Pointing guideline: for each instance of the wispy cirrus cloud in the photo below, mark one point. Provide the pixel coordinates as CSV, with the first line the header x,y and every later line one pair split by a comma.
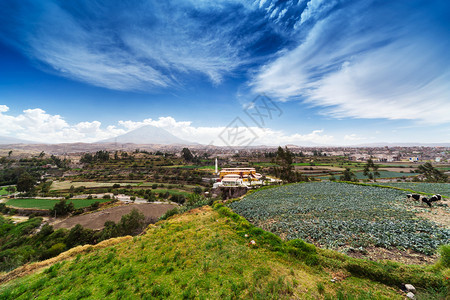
x,y
142,45
367,60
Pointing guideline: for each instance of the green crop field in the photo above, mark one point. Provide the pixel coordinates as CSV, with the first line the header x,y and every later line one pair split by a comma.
x,y
383,174
64,185
339,214
386,174
422,187
49,203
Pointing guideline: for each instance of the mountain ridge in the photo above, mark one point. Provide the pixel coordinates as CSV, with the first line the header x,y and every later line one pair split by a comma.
x,y
147,134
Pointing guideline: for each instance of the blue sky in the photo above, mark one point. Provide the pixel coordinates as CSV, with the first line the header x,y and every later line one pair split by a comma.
x,y
338,72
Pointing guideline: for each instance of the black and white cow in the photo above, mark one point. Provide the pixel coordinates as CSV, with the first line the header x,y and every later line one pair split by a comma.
x,y
438,197
415,197
435,198
427,201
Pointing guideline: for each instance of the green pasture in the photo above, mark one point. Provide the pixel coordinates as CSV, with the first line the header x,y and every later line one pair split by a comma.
x,y
49,203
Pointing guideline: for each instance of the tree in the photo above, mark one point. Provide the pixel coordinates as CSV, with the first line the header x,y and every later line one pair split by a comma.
x,y
197,190
86,158
178,198
286,172
348,175
371,166
111,230
131,223
432,174
62,208
25,183
187,154
79,236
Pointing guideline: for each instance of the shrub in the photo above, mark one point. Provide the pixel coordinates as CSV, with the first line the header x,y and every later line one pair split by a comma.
x,y
320,288
444,250
169,213
62,208
302,245
131,223
94,205
54,250
178,198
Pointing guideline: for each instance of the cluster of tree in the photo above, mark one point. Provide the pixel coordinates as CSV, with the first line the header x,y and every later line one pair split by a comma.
x,y
318,153
286,170
371,170
431,174
26,183
24,242
99,156
189,157
10,176
348,175
60,163
62,208
275,154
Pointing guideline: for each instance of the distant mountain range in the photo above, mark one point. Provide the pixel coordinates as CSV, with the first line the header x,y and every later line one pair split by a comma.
x,y
403,145
147,135
5,140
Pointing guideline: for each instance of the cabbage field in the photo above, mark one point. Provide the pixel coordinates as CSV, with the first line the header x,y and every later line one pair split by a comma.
x,y
334,215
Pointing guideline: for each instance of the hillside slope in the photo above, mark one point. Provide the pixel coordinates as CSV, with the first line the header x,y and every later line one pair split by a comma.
x,y
205,254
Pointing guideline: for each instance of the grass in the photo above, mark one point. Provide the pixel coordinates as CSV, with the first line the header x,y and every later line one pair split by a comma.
x,y
49,203
3,191
202,254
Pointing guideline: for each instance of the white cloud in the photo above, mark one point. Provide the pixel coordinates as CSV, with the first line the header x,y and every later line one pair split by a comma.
x,y
316,8
3,108
352,68
353,137
37,125
143,47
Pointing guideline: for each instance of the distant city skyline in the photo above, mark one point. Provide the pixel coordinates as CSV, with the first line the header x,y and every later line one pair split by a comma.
x,y
332,72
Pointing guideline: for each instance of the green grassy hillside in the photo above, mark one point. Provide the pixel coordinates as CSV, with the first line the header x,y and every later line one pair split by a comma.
x,y
207,254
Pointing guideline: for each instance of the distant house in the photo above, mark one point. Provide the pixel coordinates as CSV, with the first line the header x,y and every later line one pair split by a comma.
x,y
414,159
438,159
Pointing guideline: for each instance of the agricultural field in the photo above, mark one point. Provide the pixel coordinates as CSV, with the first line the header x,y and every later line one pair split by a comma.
x,y
49,203
383,174
336,215
422,187
65,185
